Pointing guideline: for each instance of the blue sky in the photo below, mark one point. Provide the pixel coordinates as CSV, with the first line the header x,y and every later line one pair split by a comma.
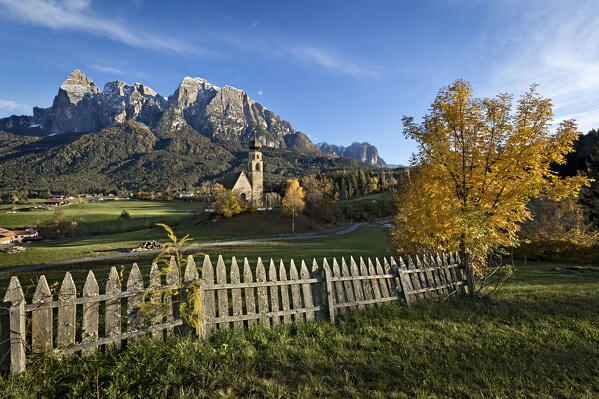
x,y
340,71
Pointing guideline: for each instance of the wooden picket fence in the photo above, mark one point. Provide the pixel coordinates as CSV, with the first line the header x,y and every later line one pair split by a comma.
x,y
282,295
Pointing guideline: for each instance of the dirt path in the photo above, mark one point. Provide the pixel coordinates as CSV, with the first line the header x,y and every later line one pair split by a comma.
x,y
120,255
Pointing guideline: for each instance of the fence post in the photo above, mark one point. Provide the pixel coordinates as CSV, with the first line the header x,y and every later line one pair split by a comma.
x,y
403,280
16,312
467,264
329,292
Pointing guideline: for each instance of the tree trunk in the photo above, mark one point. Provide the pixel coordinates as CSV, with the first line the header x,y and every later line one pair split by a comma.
x,y
293,220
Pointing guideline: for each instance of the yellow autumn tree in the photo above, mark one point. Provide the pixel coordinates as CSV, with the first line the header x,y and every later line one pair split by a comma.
x,y
229,204
479,163
293,201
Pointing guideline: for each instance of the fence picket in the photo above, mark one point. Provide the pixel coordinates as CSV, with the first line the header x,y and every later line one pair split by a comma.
x,y
316,288
442,261
66,314
427,276
454,273
236,294
349,285
155,283
173,279
223,297
366,284
461,273
91,313
339,285
41,320
359,293
437,267
191,271
307,291
209,295
404,280
383,283
284,292
415,278
192,276
17,326
376,288
135,282
112,318
250,298
262,292
393,282
274,292
329,292
296,299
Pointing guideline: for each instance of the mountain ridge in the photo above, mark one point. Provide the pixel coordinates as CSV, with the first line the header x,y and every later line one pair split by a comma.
x,y
364,152
226,115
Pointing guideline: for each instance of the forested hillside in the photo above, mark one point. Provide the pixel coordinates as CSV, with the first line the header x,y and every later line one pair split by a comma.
x,y
131,157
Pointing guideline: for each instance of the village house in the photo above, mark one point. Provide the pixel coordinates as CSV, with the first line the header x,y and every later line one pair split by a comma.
x,y
18,236
57,202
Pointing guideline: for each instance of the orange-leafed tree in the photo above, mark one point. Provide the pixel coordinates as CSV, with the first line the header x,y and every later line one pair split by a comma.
x,y
479,162
293,201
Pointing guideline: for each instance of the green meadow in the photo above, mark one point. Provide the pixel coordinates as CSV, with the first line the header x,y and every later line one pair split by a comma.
x,y
184,217
538,338
101,217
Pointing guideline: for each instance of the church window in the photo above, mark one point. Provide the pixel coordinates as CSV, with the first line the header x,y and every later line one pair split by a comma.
x,y
258,167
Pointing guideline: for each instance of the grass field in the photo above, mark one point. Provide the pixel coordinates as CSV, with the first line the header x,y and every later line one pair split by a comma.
x,y
538,338
103,217
199,227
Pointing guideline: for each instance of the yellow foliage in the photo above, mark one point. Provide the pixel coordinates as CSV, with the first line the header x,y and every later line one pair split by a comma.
x,y
293,201
155,306
479,163
229,204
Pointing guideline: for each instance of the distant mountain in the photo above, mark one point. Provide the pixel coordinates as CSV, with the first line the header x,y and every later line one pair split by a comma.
x,y
129,137
363,152
227,115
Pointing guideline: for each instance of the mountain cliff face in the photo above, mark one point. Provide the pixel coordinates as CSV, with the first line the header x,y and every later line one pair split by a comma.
x,y
227,115
364,152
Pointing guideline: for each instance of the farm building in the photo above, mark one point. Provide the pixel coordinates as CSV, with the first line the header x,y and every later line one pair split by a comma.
x,y
18,236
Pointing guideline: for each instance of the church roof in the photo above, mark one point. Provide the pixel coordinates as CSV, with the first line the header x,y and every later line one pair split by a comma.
x,y
230,180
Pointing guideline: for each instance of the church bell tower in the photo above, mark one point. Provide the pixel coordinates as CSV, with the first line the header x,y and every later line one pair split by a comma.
x,y
256,171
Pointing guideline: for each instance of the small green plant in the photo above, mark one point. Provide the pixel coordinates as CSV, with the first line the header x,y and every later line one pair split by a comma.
x,y
125,214
156,301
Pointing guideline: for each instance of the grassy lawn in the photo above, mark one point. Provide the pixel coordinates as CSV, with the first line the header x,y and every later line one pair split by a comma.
x,y
538,338
102,216
199,227
365,241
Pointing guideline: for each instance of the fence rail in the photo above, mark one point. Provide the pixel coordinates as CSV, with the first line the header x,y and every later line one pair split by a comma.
x,y
72,323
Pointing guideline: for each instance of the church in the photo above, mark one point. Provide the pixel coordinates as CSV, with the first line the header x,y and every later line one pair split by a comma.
x,y
250,186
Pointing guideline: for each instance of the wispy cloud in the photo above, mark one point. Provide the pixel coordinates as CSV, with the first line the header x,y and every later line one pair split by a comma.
x,y
108,69
559,49
78,15
333,62
12,105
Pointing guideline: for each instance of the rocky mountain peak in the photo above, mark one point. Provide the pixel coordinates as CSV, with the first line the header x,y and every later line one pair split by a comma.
x,y
192,91
364,152
77,85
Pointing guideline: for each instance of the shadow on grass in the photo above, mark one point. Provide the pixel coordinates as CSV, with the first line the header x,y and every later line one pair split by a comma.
x,y
453,349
